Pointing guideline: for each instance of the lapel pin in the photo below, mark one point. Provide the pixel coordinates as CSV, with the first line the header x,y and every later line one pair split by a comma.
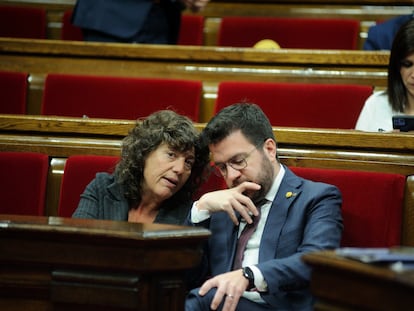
x,y
290,194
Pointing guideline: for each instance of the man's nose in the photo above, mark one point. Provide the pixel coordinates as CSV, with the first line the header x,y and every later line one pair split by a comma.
x,y
232,173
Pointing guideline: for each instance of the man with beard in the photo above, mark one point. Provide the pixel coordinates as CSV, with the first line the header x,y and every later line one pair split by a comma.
x,y
294,216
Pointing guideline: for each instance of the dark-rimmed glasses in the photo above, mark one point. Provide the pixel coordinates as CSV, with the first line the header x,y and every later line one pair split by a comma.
x,y
238,162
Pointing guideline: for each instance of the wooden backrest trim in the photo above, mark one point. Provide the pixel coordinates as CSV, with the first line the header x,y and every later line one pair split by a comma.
x,y
187,54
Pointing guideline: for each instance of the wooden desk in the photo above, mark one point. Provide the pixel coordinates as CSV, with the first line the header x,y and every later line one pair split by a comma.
x,y
342,284
50,263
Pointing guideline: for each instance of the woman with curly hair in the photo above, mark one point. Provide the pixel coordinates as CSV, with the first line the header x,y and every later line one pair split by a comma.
x,y
398,98
160,168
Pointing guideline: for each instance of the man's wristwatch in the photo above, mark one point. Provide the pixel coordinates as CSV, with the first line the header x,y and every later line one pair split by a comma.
x,y
248,274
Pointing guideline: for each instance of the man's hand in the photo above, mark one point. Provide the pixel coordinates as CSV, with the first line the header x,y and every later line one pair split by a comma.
x,y
195,5
230,286
231,201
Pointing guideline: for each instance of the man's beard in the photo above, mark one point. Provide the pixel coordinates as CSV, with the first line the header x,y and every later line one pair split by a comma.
x,y
264,179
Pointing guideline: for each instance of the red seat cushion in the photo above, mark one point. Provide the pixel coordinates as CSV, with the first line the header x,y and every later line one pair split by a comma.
x,y
70,31
212,183
299,104
22,22
79,171
13,92
372,204
24,175
119,97
191,30
302,33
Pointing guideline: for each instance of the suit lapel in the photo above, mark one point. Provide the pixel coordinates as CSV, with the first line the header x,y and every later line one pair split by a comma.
x,y
288,191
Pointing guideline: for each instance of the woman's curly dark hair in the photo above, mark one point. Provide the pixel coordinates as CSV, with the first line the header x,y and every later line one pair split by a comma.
x,y
165,126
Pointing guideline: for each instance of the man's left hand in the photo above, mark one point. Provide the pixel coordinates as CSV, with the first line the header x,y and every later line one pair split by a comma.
x,y
230,287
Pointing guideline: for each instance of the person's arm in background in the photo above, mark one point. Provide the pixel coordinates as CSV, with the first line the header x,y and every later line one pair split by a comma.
x,y
371,42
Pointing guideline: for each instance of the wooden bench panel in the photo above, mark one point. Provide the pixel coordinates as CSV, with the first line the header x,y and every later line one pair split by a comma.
x,y
207,64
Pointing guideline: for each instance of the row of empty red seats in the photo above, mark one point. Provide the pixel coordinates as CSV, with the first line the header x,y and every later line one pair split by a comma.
x,y
102,96
286,104
119,97
299,104
293,33
372,202
23,22
243,31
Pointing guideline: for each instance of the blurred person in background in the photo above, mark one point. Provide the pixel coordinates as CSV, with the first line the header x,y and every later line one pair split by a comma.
x,y
132,21
381,35
398,98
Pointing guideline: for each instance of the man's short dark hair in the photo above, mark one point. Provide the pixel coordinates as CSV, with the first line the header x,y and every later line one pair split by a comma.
x,y
249,118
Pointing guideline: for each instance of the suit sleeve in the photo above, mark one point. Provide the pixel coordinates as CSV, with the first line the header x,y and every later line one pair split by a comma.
x,y
318,227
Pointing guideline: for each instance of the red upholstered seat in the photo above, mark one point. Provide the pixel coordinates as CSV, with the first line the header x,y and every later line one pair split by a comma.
x,y
13,90
191,30
79,171
70,31
372,204
302,33
22,22
119,97
23,189
299,104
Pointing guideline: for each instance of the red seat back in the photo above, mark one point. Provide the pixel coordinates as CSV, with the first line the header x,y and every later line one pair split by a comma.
x,y
70,31
79,171
372,204
302,33
191,30
22,22
299,104
23,189
119,97
13,92
212,183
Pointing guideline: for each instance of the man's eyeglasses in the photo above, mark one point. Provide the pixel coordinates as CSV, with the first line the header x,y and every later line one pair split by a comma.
x,y
238,162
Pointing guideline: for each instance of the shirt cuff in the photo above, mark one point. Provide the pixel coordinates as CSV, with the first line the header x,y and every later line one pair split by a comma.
x,y
197,215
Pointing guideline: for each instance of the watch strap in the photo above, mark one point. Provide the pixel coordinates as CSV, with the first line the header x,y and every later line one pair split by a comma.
x,y
249,275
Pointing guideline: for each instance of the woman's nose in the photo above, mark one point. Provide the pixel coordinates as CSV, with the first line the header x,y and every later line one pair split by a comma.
x,y
179,165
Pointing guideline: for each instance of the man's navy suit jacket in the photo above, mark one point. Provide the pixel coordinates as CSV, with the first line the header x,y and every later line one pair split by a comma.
x,y
309,219
381,36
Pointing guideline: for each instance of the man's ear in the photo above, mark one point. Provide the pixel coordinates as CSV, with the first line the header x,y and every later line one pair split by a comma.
x,y
270,148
